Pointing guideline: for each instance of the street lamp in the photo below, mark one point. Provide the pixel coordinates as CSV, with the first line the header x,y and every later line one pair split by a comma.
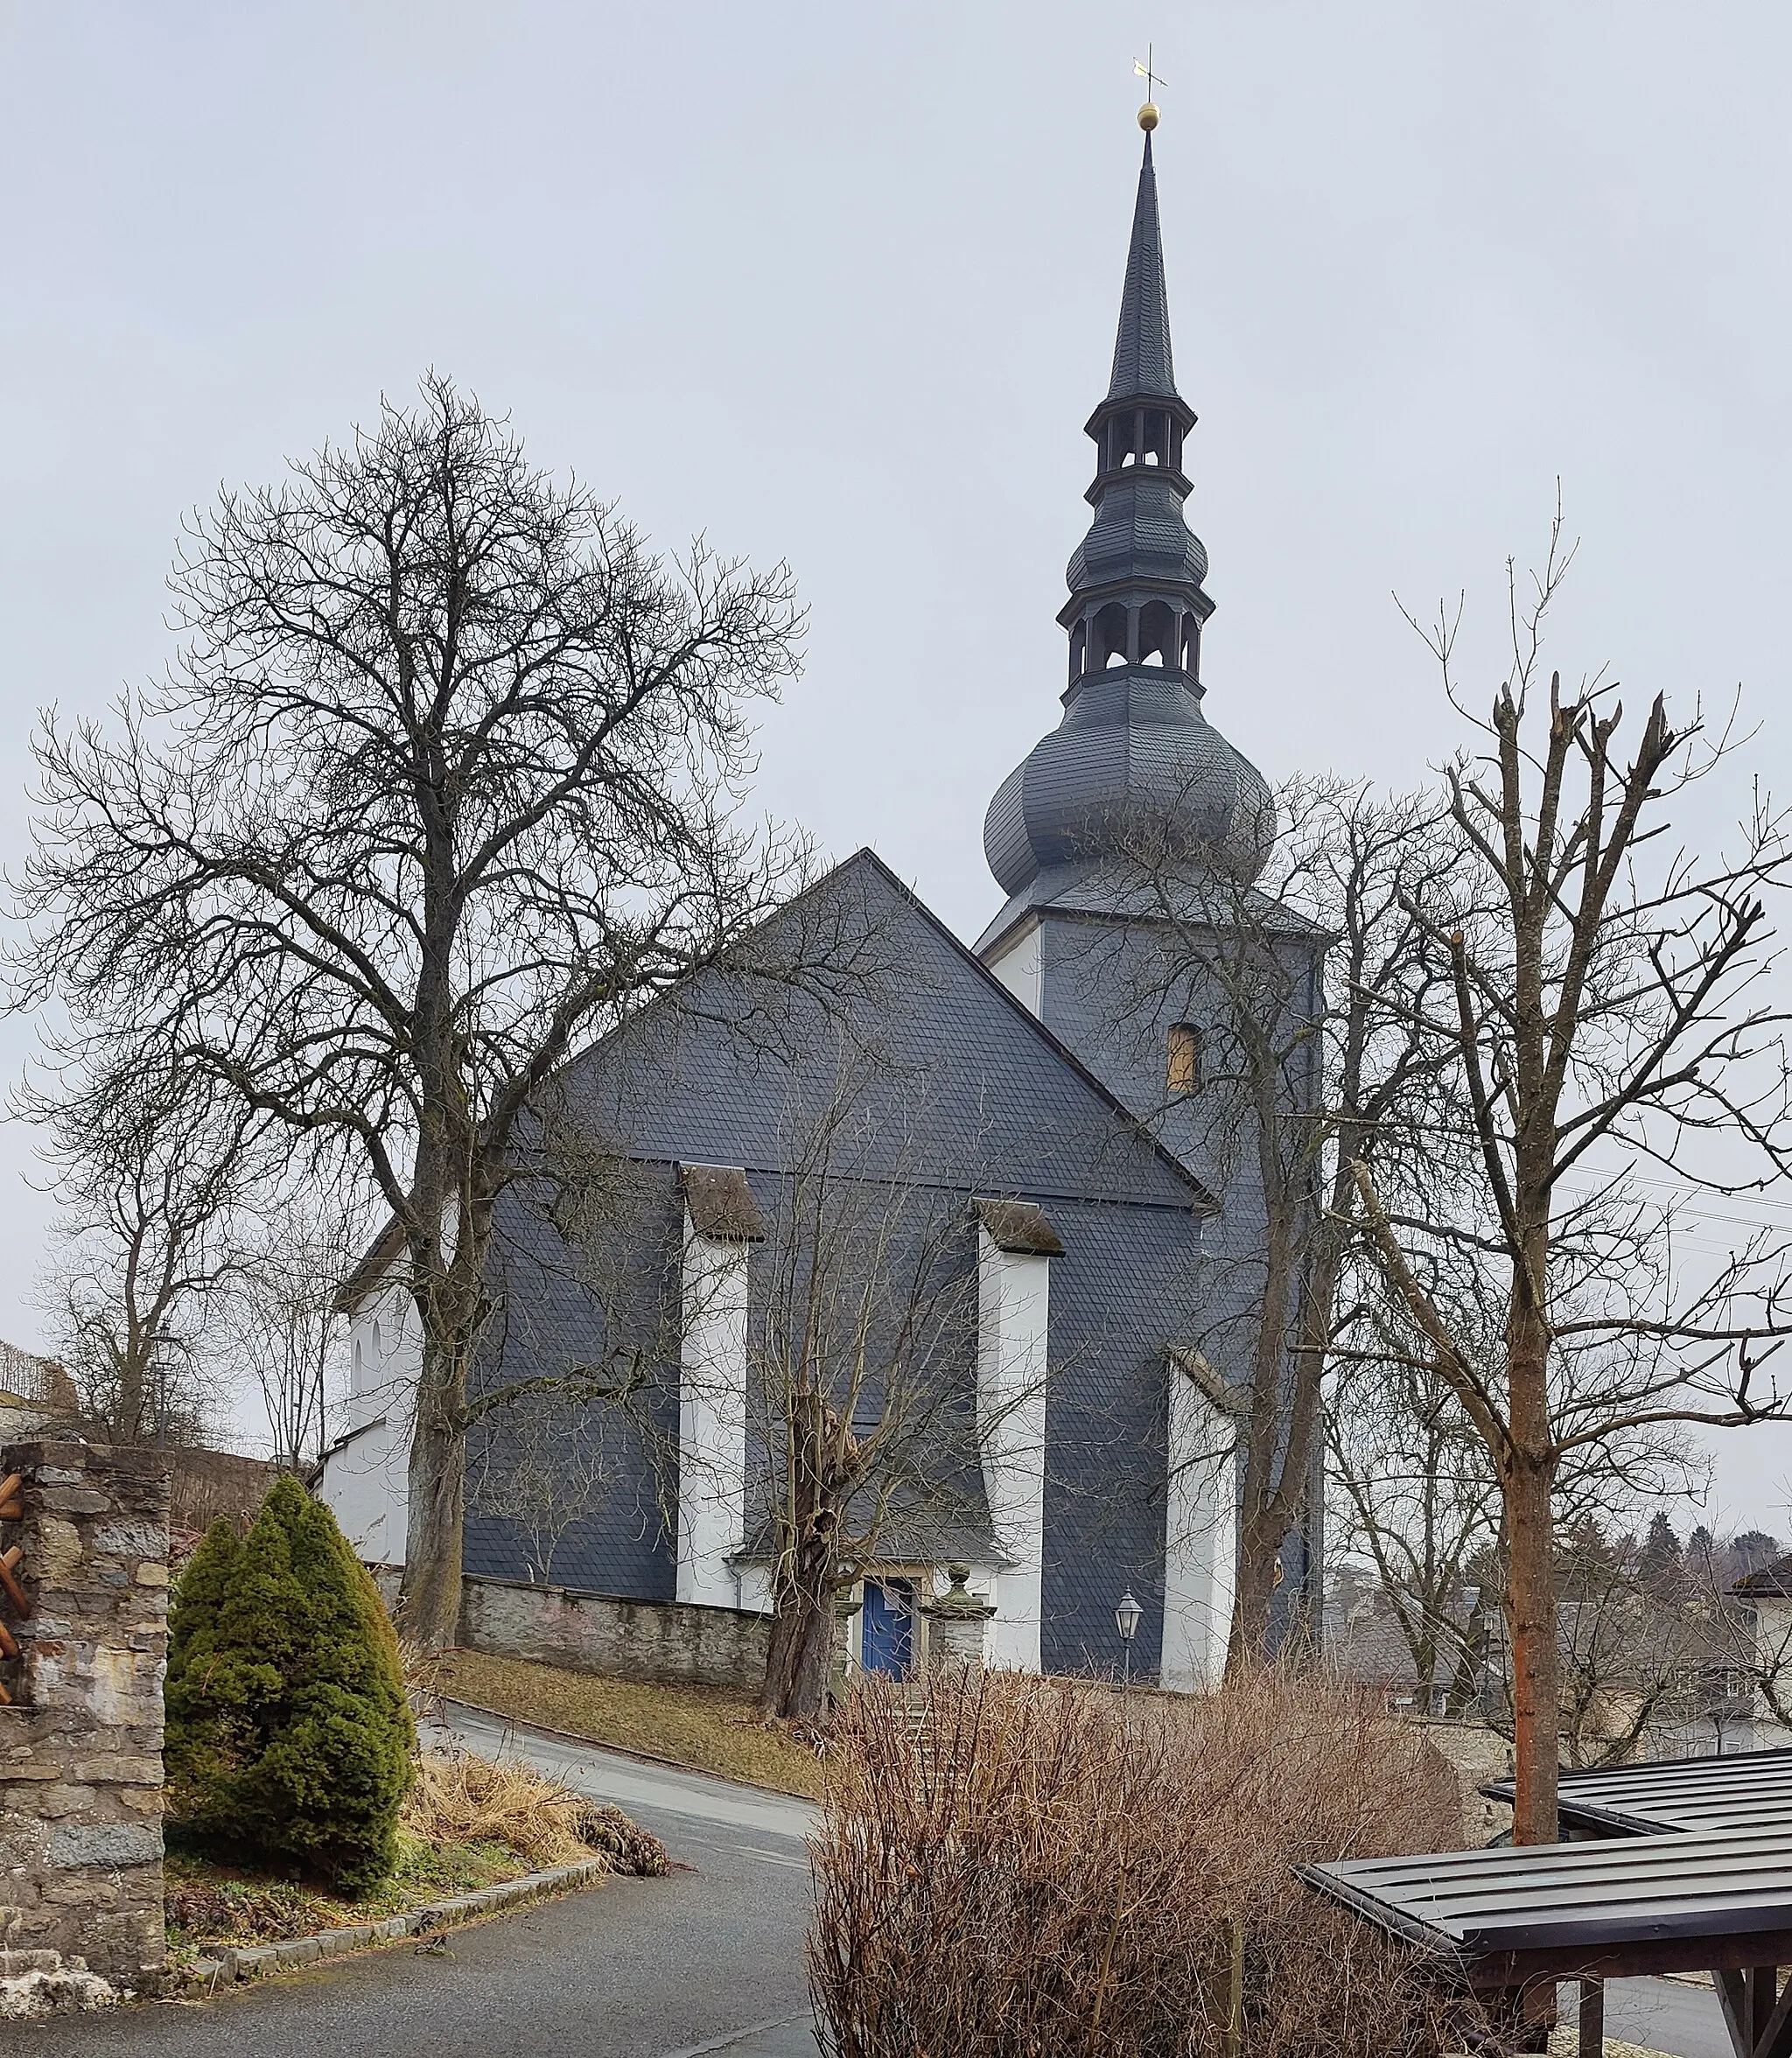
x,y
1126,1620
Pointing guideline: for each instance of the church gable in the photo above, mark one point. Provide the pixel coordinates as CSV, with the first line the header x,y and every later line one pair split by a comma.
x,y
963,1080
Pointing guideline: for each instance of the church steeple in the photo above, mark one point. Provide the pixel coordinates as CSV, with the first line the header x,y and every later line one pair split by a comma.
x,y
1133,738
1136,592
1142,362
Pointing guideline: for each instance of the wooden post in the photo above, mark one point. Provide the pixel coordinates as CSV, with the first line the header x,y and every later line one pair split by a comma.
x,y
1592,2018
1234,1993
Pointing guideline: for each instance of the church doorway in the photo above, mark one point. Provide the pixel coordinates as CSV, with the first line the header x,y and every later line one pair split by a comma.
x,y
886,1628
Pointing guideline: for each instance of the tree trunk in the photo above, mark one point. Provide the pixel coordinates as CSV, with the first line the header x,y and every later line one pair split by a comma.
x,y
429,1611
798,1663
1530,1607
1254,1591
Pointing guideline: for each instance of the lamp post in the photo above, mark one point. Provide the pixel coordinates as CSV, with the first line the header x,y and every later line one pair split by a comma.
x,y
1126,1620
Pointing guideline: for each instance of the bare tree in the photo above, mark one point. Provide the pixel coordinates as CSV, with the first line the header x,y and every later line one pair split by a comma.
x,y
1612,1051
150,1169
278,1320
441,784
544,1463
1300,1073
863,1353
1417,1502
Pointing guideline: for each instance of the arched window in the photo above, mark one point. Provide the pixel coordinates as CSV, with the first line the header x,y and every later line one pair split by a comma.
x,y
1182,1072
1157,436
1109,646
1078,650
1120,441
1157,634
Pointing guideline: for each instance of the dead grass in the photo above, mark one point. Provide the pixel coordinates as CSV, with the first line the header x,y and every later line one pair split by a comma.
x,y
460,1798
1011,1866
706,1728
469,1821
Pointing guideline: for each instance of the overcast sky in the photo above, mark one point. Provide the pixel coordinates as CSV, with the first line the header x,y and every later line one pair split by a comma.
x,y
839,284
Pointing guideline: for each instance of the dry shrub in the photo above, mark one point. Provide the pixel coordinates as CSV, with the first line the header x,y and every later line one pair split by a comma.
x,y
461,1798
1009,1866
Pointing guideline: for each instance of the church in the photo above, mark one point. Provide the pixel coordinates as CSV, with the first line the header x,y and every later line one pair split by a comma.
x,y
1028,1168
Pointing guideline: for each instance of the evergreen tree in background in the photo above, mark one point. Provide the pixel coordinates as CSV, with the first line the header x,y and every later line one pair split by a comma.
x,y
289,1734
1661,1565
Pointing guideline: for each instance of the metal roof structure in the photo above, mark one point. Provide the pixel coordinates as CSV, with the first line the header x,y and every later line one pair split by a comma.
x,y
1682,1866
1752,1791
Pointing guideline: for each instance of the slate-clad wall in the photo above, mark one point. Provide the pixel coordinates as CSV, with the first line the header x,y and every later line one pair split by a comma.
x,y
969,1099
80,1749
1091,969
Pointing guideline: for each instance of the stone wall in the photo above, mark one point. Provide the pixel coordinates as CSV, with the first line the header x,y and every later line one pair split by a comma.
x,y
209,1483
80,1747
669,1643
1478,1755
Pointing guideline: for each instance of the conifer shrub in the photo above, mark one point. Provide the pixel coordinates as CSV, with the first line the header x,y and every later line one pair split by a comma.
x,y
289,1740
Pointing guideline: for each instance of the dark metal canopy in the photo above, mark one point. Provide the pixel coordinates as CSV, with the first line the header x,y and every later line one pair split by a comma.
x,y
1686,1866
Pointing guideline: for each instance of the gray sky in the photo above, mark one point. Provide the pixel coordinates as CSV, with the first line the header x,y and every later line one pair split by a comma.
x,y
839,284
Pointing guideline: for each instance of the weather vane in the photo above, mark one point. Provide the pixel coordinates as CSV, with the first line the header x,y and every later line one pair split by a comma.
x,y
1148,113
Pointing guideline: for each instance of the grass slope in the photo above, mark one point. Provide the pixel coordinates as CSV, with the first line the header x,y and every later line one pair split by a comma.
x,y
706,1728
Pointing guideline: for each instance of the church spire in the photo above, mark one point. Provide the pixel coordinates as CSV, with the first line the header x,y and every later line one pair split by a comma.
x,y
1142,363
1133,739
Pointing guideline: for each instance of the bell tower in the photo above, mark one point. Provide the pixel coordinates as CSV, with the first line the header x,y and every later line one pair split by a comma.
x,y
1134,741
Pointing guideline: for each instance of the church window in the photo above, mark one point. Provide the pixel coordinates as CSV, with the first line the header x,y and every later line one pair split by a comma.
x,y
1191,645
1157,435
1120,439
1079,649
1183,1073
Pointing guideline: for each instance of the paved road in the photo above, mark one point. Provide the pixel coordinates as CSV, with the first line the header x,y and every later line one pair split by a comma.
x,y
708,1959
1664,2015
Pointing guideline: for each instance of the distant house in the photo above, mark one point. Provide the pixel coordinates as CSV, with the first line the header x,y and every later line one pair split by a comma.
x,y
1767,1595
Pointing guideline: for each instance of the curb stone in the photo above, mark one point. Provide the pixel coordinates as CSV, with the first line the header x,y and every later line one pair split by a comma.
x,y
250,1962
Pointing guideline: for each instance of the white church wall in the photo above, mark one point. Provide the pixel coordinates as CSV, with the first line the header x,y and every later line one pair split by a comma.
x,y
1021,967
712,1421
1201,1538
365,1471
1013,1305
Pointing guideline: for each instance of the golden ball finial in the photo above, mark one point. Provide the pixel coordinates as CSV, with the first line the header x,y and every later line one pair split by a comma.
x,y
1148,116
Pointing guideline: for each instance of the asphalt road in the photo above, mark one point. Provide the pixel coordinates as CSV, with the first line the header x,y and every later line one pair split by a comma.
x,y
707,1960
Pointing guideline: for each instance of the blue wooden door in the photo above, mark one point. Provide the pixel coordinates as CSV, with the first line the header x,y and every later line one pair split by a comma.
x,y
886,1636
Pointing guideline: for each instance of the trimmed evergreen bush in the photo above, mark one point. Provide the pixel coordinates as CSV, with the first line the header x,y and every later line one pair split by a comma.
x,y
290,1738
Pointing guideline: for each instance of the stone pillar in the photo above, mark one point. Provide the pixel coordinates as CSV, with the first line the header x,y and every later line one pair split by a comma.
x,y
81,1744
957,1623
840,1666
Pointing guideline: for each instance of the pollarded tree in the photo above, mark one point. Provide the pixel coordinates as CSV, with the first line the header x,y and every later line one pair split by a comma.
x,y
441,783
1614,1048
